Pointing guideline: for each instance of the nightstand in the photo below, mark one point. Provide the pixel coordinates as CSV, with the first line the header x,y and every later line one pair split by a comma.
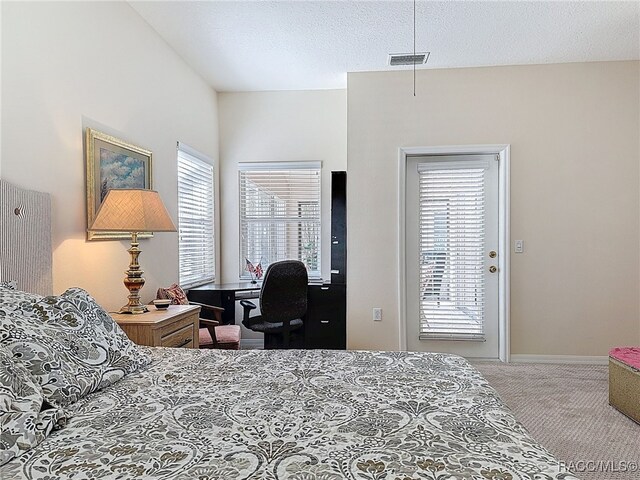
x,y
177,326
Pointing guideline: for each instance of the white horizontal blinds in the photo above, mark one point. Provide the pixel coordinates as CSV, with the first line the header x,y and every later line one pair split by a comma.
x,y
452,244
195,219
280,214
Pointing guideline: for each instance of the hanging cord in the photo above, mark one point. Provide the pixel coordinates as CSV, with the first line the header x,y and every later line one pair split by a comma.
x,y
414,48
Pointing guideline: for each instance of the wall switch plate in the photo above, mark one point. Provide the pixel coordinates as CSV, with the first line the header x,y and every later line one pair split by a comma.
x,y
377,314
519,246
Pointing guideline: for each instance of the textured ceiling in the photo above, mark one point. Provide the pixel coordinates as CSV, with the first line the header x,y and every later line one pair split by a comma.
x,y
298,45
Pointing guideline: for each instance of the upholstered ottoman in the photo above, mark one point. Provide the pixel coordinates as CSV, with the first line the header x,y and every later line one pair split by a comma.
x,y
624,381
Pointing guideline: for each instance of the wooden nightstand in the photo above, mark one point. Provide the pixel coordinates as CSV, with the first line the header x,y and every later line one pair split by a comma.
x,y
177,326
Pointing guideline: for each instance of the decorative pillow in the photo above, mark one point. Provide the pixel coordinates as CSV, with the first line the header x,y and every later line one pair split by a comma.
x,y
70,344
173,293
11,284
11,299
26,418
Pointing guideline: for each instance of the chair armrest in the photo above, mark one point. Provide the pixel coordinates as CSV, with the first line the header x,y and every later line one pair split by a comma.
x,y
216,311
205,322
248,305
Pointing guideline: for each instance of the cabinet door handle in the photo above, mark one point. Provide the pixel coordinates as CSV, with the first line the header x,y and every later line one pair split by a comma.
x,y
324,321
324,288
184,343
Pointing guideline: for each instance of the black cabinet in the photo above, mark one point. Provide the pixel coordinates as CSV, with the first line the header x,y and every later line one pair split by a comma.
x,y
325,324
326,320
338,227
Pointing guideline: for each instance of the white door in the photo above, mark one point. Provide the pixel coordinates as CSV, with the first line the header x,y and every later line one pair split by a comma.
x,y
452,255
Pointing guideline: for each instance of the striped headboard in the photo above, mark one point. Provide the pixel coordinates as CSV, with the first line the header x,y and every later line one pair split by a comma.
x,y
25,238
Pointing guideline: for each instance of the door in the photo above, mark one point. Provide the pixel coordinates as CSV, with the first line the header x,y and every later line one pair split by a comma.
x,y
452,293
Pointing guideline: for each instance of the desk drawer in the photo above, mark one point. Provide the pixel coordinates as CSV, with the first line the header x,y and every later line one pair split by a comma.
x,y
325,322
182,338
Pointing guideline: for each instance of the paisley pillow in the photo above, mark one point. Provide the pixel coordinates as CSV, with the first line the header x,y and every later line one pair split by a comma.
x,y
69,344
77,312
11,284
26,418
11,299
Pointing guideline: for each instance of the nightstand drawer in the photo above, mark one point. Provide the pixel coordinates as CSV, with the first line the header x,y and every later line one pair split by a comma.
x,y
179,338
175,327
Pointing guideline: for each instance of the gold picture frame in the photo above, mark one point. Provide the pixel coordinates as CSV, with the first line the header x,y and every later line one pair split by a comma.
x,y
113,163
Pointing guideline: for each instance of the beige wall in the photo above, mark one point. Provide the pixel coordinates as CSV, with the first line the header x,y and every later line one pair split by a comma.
x,y
281,127
574,135
66,66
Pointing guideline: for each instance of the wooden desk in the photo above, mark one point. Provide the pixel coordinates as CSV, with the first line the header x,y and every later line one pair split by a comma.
x,y
325,324
177,326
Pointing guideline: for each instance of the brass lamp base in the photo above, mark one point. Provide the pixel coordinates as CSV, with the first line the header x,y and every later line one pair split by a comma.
x,y
134,281
134,309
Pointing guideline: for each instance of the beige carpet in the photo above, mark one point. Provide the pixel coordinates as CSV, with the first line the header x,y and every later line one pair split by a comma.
x,y
566,409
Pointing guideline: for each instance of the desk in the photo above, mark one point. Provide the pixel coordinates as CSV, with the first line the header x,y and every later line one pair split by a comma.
x,y
225,295
325,324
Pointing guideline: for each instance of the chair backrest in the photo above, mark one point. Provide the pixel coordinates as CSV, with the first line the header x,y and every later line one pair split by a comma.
x,y
284,291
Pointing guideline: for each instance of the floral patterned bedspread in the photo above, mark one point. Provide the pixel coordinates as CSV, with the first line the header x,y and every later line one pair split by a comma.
x,y
303,415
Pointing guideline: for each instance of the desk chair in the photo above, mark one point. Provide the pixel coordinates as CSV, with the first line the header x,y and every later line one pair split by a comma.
x,y
283,303
212,334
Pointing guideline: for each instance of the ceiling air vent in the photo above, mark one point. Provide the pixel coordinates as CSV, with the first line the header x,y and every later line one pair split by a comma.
x,y
397,59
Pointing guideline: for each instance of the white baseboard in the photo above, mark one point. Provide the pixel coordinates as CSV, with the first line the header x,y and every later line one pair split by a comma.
x,y
251,344
569,359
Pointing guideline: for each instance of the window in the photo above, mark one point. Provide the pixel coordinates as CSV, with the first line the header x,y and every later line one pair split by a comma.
x,y
452,244
280,214
195,217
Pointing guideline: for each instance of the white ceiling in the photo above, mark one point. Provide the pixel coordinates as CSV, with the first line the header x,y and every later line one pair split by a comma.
x,y
299,45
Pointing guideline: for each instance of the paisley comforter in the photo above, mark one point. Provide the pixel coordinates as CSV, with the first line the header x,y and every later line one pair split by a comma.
x,y
303,415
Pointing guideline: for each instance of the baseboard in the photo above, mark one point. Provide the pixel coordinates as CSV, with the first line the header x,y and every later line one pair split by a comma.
x,y
570,359
252,344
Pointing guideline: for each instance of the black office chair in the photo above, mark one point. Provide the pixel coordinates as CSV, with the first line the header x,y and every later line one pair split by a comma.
x,y
283,303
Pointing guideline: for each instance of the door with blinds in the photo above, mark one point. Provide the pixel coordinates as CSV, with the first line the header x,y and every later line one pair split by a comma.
x,y
452,255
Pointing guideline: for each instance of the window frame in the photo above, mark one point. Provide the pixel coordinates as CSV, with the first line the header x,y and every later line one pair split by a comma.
x,y
186,153
244,275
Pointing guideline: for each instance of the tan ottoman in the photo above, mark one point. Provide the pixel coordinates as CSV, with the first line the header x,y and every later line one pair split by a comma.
x,y
624,381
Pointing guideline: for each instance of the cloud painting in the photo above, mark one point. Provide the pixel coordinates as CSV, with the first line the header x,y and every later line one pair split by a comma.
x,y
118,170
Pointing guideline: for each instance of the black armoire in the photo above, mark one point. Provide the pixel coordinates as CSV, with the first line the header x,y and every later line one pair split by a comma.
x,y
326,320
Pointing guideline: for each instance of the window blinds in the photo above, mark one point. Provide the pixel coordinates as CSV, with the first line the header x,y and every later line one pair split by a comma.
x,y
195,218
280,214
452,244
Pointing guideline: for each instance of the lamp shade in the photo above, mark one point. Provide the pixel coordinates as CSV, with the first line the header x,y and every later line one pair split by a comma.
x,y
129,210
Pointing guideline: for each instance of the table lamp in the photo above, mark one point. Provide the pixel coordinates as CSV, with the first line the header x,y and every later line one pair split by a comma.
x,y
133,211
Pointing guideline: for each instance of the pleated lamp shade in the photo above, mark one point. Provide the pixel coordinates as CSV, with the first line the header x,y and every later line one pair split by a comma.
x,y
132,210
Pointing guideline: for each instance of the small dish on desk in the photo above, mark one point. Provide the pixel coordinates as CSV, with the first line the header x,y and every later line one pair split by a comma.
x,y
162,304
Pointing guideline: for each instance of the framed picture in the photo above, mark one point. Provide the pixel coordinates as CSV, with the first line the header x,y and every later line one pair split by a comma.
x,y
113,163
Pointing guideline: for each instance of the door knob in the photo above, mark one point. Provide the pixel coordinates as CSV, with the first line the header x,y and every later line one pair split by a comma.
x,y
492,254
493,269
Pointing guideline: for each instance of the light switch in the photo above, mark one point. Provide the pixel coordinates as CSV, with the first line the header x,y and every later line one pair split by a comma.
x,y
377,314
519,246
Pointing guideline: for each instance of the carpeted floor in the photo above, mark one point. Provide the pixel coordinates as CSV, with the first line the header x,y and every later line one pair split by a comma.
x,y
566,409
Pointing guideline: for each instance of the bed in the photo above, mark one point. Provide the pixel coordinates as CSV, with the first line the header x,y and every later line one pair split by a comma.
x,y
293,414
